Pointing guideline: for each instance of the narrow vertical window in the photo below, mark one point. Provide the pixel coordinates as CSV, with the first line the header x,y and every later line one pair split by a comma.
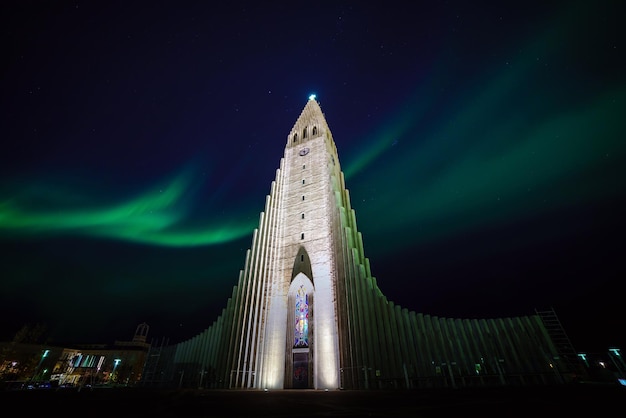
x,y
303,216
302,235
303,166
302,181
314,130
301,257
295,137
304,133
302,197
301,329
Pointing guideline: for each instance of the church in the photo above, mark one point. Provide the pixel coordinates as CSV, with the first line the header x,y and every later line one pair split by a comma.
x,y
307,313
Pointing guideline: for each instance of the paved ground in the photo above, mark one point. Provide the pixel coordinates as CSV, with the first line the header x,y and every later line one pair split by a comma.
x,y
574,401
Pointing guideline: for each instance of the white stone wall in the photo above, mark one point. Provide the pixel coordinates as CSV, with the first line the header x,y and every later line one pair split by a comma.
x,y
318,210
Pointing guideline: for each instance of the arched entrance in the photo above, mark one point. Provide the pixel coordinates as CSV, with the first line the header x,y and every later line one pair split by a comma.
x,y
300,333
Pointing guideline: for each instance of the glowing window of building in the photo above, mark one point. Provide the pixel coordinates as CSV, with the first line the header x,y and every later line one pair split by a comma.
x,y
301,330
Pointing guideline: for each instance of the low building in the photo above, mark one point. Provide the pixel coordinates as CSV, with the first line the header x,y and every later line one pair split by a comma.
x,y
30,366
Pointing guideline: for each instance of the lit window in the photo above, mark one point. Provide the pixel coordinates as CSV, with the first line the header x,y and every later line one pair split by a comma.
x,y
301,329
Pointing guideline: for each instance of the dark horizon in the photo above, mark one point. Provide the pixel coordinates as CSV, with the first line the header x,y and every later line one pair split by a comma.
x,y
540,401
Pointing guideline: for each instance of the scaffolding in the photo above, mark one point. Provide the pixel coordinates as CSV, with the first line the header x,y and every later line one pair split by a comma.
x,y
154,373
564,347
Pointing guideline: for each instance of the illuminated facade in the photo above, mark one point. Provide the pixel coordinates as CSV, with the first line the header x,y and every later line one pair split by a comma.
x,y
307,313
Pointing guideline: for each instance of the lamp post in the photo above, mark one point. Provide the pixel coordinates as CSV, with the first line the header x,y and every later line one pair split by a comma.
x,y
202,373
618,361
116,363
43,356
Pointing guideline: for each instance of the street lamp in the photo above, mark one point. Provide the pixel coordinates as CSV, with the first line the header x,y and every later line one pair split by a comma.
x,y
116,363
43,356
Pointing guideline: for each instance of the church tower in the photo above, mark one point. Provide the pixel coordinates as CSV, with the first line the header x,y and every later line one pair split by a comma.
x,y
295,262
307,313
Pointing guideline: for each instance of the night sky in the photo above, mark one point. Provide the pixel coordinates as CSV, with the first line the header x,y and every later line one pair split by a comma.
x,y
482,145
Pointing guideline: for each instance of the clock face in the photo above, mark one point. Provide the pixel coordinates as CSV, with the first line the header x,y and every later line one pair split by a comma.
x,y
304,151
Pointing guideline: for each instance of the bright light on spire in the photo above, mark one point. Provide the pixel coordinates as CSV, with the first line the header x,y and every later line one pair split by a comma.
x,y
312,97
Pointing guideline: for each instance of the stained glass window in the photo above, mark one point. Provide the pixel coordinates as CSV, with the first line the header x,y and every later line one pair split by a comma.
x,y
301,330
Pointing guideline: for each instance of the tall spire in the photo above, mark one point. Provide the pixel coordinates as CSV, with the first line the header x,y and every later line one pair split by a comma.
x,y
311,115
